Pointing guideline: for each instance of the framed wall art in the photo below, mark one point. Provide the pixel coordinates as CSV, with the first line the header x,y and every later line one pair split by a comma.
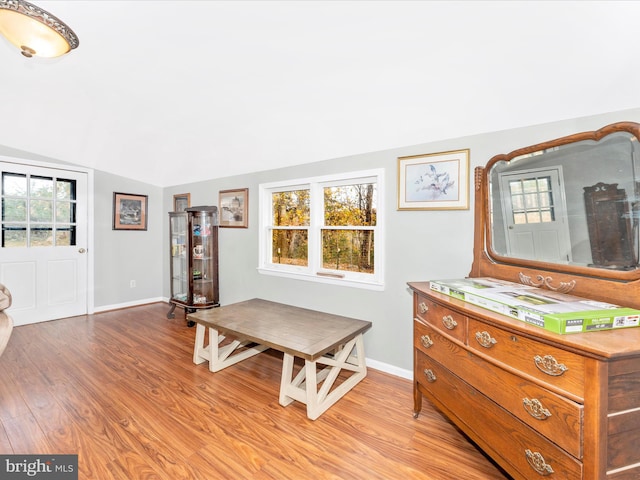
x,y
129,211
181,202
434,181
234,210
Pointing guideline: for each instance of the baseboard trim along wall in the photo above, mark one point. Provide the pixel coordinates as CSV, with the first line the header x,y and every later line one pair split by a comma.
x,y
383,367
135,303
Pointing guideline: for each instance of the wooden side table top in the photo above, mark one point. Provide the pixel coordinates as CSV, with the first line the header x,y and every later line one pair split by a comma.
x,y
300,332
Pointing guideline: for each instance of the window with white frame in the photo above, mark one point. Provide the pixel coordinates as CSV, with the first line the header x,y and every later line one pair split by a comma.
x,y
325,229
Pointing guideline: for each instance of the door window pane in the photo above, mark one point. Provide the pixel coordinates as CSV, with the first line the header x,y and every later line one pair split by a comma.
x,y
41,236
14,185
14,236
547,215
66,236
41,187
41,211
533,217
65,212
14,209
65,189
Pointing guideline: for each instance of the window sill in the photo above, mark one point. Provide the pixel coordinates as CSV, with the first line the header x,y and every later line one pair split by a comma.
x,y
344,282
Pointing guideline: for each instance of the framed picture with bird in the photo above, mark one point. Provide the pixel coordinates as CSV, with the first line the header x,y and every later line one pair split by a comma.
x,y
434,181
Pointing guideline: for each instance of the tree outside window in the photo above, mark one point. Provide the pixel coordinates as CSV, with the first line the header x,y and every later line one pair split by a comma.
x,y
345,248
324,228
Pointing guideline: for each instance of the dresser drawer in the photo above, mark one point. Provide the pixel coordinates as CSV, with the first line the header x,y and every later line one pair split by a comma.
x,y
554,416
559,369
448,321
528,454
434,342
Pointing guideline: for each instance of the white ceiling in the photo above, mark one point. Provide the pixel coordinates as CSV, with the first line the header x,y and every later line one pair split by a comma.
x,y
170,92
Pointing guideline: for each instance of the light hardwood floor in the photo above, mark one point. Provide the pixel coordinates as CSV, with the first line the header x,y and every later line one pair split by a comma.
x,y
120,390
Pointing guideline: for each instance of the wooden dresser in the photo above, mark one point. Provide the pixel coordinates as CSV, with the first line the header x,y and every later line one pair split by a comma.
x,y
541,404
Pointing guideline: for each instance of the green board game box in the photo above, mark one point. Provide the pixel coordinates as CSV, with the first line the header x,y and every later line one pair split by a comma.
x,y
557,312
582,321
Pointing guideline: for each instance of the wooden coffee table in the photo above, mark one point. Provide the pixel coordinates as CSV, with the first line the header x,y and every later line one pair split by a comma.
x,y
244,329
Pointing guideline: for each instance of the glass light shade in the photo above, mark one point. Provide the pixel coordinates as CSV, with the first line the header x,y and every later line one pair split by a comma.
x,y
34,31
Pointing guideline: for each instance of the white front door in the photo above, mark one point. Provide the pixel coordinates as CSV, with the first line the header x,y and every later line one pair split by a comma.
x,y
534,208
43,252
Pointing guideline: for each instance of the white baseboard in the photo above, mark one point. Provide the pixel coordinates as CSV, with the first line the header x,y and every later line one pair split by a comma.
x,y
135,303
390,369
383,367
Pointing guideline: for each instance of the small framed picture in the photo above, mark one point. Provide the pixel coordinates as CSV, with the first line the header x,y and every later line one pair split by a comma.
x,y
181,202
129,211
434,181
233,206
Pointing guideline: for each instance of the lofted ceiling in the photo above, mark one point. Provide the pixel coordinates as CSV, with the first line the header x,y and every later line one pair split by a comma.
x,y
171,92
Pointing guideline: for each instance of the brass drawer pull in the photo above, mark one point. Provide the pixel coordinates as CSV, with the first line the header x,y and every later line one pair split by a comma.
x,y
549,365
535,409
426,341
423,307
431,377
484,339
449,322
537,462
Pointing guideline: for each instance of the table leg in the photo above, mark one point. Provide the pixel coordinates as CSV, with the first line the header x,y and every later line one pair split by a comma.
x,y
316,389
220,357
287,373
199,346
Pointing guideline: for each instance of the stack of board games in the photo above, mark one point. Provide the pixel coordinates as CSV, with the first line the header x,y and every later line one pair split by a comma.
x,y
557,312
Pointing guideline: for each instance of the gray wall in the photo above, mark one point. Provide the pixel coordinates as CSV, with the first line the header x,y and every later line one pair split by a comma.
x,y
420,245
124,255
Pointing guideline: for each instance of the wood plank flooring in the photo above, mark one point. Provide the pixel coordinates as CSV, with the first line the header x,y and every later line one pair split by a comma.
x,y
120,390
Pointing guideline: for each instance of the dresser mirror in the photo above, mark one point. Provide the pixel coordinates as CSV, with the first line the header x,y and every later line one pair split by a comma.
x,y
570,206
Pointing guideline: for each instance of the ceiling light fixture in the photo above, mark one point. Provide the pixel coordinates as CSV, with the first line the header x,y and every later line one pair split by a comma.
x,y
35,31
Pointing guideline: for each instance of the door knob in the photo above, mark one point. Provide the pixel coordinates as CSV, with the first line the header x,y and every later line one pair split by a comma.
x,y
81,250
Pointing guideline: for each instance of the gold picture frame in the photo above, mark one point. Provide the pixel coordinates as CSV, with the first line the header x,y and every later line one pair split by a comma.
x,y
233,206
434,181
181,201
129,211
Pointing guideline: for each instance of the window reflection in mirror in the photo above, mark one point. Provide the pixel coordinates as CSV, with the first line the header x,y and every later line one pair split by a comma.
x,y
571,204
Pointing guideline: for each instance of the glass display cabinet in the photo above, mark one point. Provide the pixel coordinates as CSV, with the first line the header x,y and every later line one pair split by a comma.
x,y
193,240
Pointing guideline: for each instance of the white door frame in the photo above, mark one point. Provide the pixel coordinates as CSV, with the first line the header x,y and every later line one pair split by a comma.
x,y
90,209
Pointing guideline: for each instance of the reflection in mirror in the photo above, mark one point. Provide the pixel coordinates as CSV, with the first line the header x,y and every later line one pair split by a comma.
x,y
572,204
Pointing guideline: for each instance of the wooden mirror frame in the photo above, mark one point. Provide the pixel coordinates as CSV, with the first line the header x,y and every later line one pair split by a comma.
x,y
614,286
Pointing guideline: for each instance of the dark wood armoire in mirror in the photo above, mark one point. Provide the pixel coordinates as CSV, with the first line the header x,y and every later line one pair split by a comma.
x,y
610,226
559,216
